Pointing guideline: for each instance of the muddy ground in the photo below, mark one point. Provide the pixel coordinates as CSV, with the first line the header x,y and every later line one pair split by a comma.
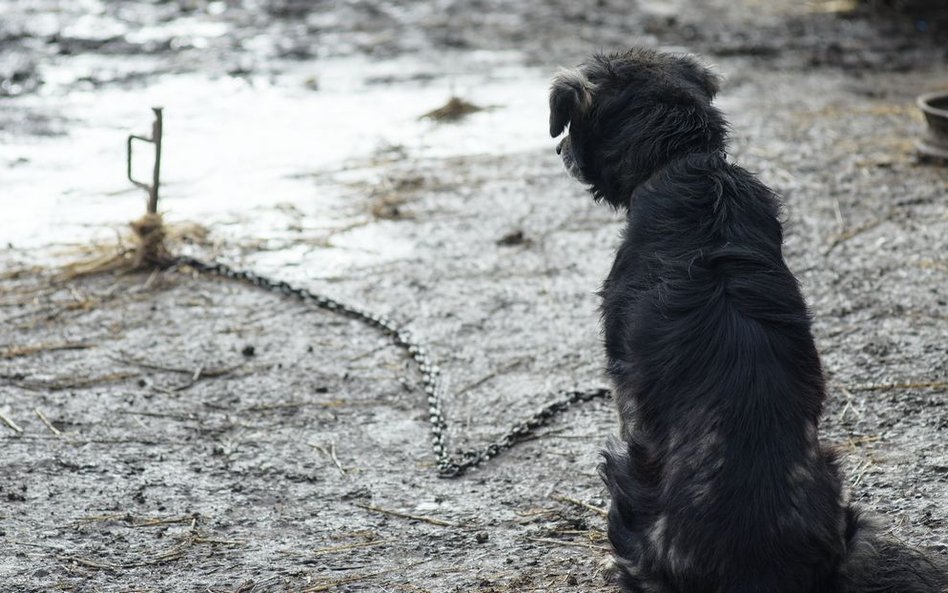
x,y
172,432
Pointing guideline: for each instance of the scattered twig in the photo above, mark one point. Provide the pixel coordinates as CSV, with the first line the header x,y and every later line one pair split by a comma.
x,y
218,542
19,351
579,503
414,588
326,586
46,421
934,264
899,385
555,434
336,403
477,383
90,563
10,423
57,549
122,441
570,544
245,587
368,353
536,513
835,6
854,443
151,279
347,547
190,416
402,515
60,384
173,553
139,422
850,398
133,522
590,534
860,472
840,224
855,231
332,455
79,441
195,374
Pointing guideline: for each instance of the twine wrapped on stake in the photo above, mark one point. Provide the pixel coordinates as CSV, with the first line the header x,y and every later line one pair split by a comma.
x,y
150,249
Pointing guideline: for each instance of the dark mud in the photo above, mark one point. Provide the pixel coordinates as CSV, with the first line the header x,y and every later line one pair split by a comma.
x,y
240,38
183,433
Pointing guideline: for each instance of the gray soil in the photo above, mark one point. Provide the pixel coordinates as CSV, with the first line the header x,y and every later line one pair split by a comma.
x,y
204,435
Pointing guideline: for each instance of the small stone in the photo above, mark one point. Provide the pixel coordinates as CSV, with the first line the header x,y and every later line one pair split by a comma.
x,y
481,537
514,238
248,350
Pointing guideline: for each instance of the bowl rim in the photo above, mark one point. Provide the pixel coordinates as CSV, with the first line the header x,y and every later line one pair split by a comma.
x,y
923,103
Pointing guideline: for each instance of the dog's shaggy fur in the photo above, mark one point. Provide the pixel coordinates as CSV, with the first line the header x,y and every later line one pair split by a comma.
x,y
718,481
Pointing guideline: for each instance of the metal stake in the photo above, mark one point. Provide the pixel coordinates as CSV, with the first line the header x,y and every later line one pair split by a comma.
x,y
156,173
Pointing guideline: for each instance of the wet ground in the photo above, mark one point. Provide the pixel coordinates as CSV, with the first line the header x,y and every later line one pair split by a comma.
x,y
166,431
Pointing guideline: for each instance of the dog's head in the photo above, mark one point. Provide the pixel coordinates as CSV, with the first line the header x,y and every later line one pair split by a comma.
x,y
631,114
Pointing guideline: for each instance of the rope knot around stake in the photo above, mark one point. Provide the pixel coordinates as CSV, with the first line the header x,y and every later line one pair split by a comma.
x,y
150,233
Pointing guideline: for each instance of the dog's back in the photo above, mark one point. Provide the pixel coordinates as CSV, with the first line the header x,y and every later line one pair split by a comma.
x,y
718,481
709,344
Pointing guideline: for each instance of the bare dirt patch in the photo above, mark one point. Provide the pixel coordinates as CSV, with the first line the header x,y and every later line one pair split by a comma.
x,y
169,431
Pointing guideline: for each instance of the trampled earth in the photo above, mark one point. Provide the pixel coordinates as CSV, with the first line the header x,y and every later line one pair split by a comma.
x,y
169,431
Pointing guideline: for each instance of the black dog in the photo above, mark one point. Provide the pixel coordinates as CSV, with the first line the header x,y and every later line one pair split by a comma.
x,y
719,483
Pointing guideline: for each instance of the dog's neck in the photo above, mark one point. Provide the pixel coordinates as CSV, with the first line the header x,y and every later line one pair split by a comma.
x,y
656,176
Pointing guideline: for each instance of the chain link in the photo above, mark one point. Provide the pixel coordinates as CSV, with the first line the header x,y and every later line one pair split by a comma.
x,y
448,466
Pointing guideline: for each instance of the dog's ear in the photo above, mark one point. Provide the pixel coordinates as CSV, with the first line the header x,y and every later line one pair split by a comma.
x,y
570,96
700,75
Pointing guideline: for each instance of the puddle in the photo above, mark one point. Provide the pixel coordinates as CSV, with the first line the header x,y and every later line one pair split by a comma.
x,y
235,147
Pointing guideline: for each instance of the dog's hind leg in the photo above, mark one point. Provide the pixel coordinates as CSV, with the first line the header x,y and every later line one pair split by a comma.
x,y
631,474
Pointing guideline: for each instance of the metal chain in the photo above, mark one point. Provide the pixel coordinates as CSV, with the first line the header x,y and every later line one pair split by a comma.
x,y
448,466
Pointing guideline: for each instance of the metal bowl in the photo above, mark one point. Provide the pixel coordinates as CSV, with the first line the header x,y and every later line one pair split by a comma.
x,y
935,108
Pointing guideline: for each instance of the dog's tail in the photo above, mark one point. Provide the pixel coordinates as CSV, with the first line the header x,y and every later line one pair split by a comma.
x,y
874,564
